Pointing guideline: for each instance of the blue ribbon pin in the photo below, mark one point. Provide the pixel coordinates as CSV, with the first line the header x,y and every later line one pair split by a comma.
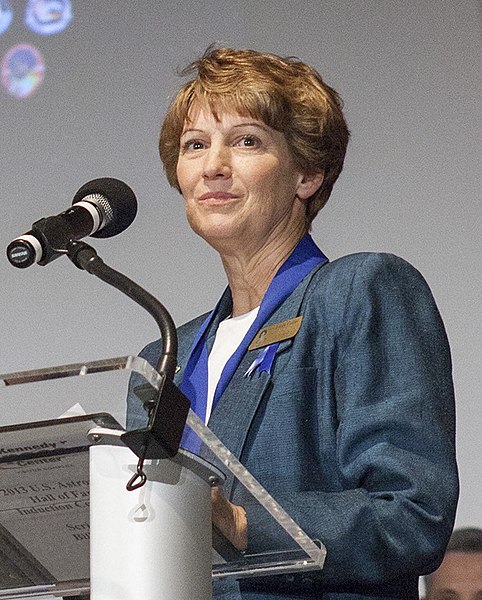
x,y
264,360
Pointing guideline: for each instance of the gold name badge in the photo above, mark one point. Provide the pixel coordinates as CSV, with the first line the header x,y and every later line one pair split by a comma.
x,y
276,333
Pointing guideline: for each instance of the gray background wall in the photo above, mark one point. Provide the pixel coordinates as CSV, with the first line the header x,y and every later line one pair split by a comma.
x,y
410,74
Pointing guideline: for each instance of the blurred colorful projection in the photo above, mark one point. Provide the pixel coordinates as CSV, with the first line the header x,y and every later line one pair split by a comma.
x,y
22,70
6,15
48,17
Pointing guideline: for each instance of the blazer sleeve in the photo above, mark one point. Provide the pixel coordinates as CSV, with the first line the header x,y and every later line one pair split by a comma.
x,y
398,486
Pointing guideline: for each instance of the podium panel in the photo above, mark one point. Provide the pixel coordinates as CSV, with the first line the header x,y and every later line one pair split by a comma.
x,y
48,506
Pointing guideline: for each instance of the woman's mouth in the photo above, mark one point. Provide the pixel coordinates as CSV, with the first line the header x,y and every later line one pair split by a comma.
x,y
216,197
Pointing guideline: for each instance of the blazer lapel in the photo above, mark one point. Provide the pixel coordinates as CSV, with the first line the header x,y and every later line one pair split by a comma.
x,y
233,415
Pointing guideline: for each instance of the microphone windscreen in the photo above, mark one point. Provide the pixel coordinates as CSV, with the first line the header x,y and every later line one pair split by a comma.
x,y
121,201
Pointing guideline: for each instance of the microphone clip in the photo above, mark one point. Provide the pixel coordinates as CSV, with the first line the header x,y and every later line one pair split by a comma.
x,y
54,235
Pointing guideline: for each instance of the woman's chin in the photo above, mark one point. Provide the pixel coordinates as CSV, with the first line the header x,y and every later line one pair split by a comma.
x,y
217,230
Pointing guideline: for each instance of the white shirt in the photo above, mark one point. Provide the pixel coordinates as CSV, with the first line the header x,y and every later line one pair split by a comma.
x,y
229,335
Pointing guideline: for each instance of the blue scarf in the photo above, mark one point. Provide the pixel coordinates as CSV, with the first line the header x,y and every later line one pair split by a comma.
x,y
194,385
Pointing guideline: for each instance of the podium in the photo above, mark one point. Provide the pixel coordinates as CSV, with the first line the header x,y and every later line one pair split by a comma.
x,y
68,525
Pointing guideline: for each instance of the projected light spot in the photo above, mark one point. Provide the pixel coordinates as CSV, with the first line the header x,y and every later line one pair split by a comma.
x,y
23,70
6,15
48,17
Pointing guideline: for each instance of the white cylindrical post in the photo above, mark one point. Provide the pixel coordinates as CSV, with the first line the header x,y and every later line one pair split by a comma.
x,y
153,543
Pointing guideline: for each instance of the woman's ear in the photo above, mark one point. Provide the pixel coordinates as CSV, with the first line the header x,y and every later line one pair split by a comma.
x,y
309,185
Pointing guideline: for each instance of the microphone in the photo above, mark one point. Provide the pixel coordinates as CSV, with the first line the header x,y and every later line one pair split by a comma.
x,y
101,208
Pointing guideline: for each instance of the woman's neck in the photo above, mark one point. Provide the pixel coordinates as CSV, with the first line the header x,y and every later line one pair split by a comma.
x,y
250,274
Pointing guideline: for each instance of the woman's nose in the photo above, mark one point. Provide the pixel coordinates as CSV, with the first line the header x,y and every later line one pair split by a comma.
x,y
217,163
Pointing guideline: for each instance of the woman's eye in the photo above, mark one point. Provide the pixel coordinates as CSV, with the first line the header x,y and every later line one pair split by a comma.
x,y
249,141
190,145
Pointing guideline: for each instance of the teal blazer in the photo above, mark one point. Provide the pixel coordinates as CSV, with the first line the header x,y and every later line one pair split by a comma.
x,y
352,431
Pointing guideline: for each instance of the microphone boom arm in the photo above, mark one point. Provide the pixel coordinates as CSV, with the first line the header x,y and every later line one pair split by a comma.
x,y
86,258
169,409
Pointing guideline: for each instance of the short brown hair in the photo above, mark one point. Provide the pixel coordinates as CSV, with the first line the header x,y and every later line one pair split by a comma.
x,y
285,93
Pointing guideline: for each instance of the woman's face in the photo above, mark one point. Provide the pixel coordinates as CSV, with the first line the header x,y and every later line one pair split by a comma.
x,y
239,182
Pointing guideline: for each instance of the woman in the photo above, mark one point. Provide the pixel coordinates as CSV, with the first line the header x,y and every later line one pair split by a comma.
x,y
347,417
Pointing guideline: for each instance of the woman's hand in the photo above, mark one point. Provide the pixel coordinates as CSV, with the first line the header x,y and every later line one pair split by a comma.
x,y
230,519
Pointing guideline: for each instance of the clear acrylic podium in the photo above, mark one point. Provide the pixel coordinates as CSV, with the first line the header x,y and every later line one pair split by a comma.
x,y
68,526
